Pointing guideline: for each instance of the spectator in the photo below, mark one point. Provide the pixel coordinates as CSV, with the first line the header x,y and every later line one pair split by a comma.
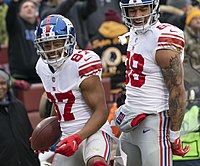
x,y
192,38
163,2
196,2
173,18
20,84
190,129
95,19
78,16
7,1
22,52
77,11
55,7
71,79
106,44
3,31
15,129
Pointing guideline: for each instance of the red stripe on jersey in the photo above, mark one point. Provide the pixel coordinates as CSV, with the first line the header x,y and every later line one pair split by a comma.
x,y
160,139
170,34
170,45
89,69
106,150
93,73
89,63
48,24
168,144
171,41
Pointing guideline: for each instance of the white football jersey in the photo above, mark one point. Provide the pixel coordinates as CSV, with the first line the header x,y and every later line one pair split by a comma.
x,y
146,90
62,88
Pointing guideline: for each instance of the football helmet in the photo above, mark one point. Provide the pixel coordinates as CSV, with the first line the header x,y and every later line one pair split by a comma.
x,y
55,39
153,14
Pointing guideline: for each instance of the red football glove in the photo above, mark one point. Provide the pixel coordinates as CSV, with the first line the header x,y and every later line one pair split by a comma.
x,y
177,148
21,84
176,144
69,145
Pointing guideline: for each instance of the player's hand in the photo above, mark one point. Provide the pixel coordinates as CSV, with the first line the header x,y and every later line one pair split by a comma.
x,y
176,144
69,145
41,151
21,84
177,148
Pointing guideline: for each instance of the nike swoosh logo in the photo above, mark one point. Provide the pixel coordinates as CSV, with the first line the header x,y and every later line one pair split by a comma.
x,y
86,59
74,144
145,130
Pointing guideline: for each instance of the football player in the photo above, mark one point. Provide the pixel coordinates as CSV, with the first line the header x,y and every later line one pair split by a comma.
x,y
154,108
71,79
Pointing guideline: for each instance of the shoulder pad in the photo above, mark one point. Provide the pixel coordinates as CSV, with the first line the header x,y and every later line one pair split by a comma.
x,y
89,63
171,37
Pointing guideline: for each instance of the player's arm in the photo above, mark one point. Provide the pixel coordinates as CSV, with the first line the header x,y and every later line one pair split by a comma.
x,y
46,108
173,74
93,93
172,70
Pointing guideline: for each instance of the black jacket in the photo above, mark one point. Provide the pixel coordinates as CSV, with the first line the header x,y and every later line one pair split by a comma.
x,y
21,52
15,131
173,19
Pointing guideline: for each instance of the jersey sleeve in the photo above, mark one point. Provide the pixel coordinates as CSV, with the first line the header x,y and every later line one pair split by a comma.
x,y
89,65
38,66
172,38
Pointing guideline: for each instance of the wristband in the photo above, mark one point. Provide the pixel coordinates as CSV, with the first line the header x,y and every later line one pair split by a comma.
x,y
173,135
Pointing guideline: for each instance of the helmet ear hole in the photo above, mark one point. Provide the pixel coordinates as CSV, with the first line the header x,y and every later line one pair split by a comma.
x,y
69,45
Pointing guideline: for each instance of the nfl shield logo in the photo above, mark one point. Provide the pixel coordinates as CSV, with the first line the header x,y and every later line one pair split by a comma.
x,y
53,79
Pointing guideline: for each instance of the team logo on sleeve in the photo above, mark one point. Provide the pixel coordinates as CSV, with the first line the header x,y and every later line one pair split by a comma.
x,y
120,118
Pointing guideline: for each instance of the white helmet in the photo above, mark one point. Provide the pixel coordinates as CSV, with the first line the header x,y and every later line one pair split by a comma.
x,y
153,15
52,29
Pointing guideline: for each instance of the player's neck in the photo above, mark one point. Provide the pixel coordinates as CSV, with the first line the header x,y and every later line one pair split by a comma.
x,y
52,69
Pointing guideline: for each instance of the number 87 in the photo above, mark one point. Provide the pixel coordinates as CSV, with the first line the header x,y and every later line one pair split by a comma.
x,y
61,97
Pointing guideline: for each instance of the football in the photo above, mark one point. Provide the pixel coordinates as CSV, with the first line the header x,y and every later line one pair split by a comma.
x,y
46,133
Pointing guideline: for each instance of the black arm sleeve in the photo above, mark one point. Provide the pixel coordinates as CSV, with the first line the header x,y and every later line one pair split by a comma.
x,y
11,17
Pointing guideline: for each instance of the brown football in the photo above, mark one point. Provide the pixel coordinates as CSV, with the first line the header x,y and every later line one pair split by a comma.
x,y
46,133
